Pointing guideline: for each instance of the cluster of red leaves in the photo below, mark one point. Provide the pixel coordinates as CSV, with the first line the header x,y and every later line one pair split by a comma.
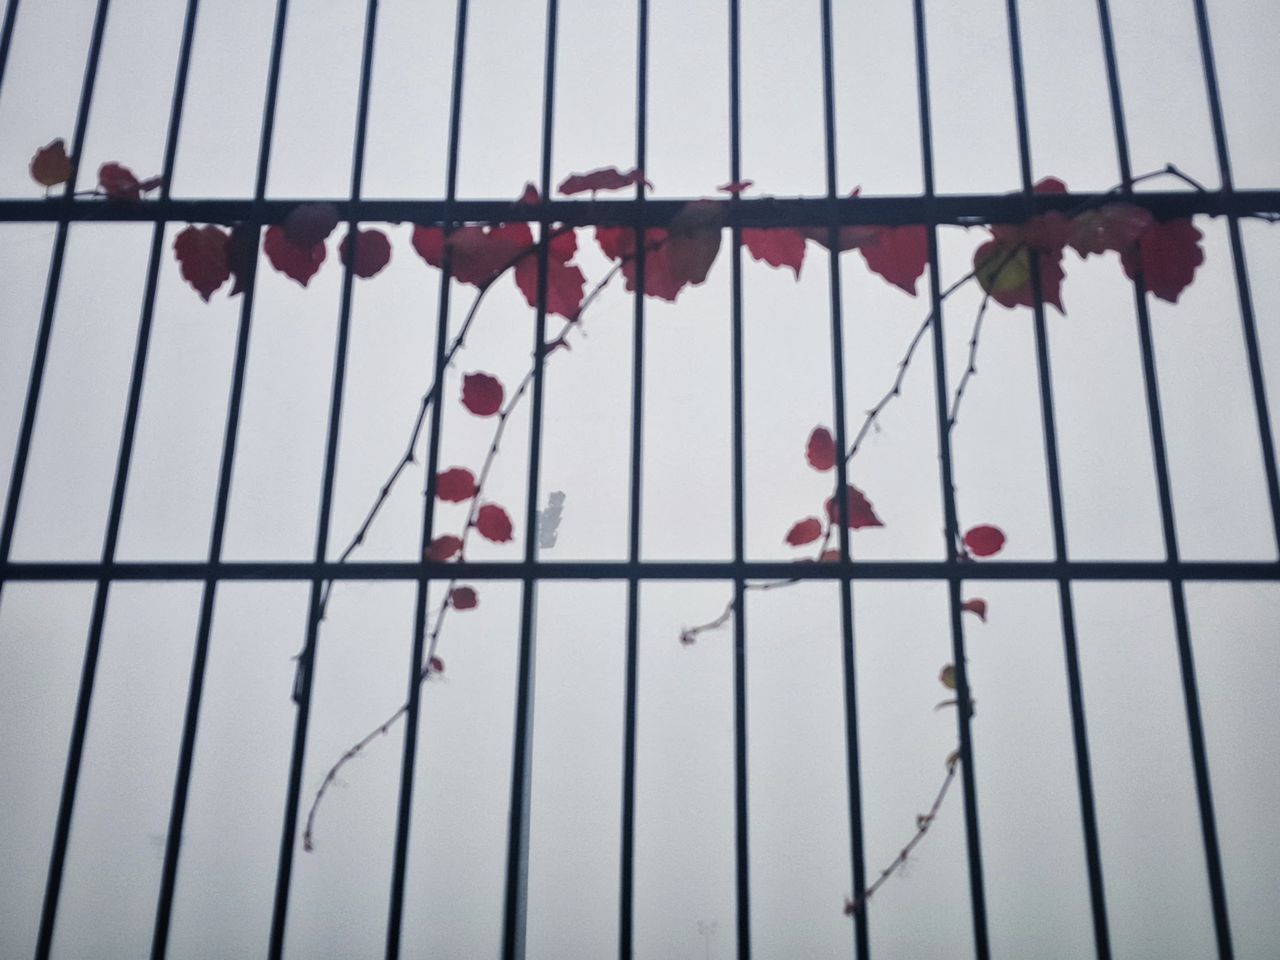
x,y
208,256
820,452
1164,254
51,166
478,255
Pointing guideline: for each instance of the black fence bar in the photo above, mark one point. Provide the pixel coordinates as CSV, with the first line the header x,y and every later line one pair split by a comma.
x,y
75,750
1066,603
1248,322
1239,571
848,651
951,532
408,763
942,209
627,867
1191,699
6,34
517,886
741,816
178,806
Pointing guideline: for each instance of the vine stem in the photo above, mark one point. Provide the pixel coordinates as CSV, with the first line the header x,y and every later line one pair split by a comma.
x,y
504,416
923,822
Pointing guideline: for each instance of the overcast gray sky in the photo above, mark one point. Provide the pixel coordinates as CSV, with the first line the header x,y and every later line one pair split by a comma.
x,y
1035,871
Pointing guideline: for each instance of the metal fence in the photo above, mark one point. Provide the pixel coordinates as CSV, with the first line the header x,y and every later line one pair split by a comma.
x,y
828,211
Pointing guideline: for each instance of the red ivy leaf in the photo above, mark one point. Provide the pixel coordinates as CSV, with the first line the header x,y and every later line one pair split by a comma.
x,y
899,254
436,665
493,523
202,258
118,182
735,188
295,263
565,281
310,223
1049,185
1167,254
51,165
619,243
481,394
779,247
806,531
984,541
693,241
478,255
373,252
821,449
605,178
443,548
1113,226
830,556
456,485
976,606
1003,267
463,598
860,512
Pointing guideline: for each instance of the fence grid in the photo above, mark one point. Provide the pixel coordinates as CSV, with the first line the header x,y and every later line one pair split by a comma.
x,y
829,211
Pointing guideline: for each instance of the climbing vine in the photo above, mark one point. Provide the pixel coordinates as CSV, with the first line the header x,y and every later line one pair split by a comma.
x,y
1013,266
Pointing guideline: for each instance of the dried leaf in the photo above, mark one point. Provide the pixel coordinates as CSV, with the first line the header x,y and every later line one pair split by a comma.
x,y
51,165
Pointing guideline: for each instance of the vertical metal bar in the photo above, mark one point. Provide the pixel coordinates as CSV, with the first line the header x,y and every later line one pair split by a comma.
x,y
1079,731
6,35
626,890
404,809
977,891
124,458
306,661
1190,694
517,883
1248,322
75,750
853,765
740,781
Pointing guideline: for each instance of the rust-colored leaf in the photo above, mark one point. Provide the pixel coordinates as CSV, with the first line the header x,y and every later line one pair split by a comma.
x,y
51,165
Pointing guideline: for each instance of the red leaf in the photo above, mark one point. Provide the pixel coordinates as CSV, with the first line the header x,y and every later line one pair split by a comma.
x,y
1114,226
976,606
530,195
310,223
481,394
477,255
1167,254
202,258
735,188
693,240
860,512
242,253
899,254
51,165
436,665
619,243
605,178
456,485
779,247
1049,185
846,237
442,548
1003,266
821,449
565,281
830,556
493,523
118,182
984,541
373,252
294,262
806,531
463,598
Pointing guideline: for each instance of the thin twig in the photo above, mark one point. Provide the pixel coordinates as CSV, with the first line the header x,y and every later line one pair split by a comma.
x,y
425,671
923,822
